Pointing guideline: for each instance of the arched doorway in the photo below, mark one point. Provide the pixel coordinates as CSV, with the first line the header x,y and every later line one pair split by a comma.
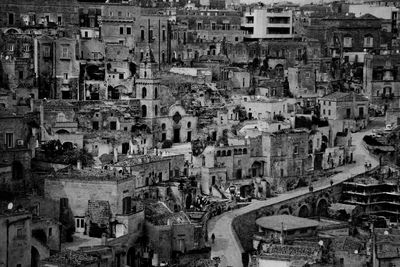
x,y
322,207
177,135
304,211
256,169
35,257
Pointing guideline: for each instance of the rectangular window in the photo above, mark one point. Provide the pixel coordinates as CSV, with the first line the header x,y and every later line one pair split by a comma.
x,y
46,51
329,112
21,74
296,150
163,137
59,20
95,125
26,47
151,36
11,19
64,52
121,76
129,30
119,14
10,47
142,34
113,125
50,231
9,140
20,232
121,30
164,37
65,76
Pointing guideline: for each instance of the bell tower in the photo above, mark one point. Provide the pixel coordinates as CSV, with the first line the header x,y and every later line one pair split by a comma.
x,y
148,86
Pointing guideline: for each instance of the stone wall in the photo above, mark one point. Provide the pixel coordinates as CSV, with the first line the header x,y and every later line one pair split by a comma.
x,y
245,227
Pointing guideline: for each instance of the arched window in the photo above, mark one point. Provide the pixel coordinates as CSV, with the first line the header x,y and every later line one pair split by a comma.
x,y
235,152
144,92
218,153
229,153
155,93
244,150
156,110
189,124
163,126
145,74
223,153
144,111
240,151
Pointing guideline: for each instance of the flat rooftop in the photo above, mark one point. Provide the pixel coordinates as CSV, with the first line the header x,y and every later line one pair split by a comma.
x,y
289,222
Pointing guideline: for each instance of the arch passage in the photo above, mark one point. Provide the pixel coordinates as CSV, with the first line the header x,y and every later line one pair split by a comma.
x,y
322,207
304,211
35,257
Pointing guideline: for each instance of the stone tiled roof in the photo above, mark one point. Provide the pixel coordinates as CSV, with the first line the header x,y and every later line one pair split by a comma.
x,y
287,221
291,252
342,96
388,246
99,211
346,243
159,214
137,160
72,258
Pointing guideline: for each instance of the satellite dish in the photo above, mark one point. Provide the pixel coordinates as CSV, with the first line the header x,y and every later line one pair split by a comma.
x,y
10,206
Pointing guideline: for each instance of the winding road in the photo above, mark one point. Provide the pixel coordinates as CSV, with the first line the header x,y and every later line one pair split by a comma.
x,y
227,245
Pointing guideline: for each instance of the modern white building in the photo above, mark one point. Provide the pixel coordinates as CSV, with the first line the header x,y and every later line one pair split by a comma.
x,y
268,23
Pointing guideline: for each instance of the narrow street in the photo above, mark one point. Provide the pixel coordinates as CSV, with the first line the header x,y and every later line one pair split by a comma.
x,y
227,246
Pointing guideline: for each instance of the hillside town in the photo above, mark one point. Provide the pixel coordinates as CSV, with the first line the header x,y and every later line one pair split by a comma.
x,y
199,133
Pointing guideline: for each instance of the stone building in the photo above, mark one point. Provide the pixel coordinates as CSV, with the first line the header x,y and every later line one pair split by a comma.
x,y
350,107
18,139
95,201
286,155
23,14
170,234
381,80
209,26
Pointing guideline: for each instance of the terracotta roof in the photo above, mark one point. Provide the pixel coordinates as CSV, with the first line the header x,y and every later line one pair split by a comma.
x,y
289,222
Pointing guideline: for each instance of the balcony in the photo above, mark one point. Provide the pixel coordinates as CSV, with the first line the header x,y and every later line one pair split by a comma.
x,y
387,96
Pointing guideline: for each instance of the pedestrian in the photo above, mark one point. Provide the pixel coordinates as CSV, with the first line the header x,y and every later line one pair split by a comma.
x,y
212,238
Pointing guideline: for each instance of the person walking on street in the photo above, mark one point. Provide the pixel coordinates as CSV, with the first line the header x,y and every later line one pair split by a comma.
x,y
213,238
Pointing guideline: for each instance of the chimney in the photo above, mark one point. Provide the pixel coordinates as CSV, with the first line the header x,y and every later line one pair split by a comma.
x,y
79,165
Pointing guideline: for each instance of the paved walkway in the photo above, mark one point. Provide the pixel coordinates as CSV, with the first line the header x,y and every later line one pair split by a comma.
x,y
227,245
